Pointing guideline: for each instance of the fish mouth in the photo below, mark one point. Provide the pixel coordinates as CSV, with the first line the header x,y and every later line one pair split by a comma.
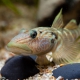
x,y
18,48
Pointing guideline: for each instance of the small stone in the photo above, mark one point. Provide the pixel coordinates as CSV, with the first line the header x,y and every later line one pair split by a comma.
x,y
2,78
52,78
62,65
60,78
69,71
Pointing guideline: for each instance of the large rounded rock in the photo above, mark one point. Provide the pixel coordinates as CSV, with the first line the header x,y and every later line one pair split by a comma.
x,y
19,67
70,71
34,57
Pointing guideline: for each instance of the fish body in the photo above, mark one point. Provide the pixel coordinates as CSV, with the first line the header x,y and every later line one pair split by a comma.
x,y
67,49
57,43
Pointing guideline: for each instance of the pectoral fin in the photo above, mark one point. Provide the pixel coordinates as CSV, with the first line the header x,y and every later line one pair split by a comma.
x,y
58,21
67,54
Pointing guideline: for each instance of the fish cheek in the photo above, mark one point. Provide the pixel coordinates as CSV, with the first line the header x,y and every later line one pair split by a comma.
x,y
47,45
42,46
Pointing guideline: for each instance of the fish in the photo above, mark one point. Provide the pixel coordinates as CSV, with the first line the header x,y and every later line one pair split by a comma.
x,y
59,43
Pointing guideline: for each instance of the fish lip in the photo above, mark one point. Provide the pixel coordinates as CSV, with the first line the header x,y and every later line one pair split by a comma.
x,y
22,53
13,45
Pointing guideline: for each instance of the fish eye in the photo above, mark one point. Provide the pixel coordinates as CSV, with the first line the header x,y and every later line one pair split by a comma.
x,y
33,33
54,35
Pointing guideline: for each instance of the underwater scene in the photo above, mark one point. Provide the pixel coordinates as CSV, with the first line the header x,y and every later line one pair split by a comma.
x,y
39,39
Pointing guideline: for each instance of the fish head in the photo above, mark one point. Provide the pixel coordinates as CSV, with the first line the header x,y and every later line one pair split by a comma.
x,y
36,41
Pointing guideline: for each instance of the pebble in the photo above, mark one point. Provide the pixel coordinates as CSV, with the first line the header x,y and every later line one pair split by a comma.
x,y
19,67
69,71
33,57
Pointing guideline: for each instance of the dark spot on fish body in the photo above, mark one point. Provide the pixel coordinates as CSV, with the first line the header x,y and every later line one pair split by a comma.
x,y
40,31
52,40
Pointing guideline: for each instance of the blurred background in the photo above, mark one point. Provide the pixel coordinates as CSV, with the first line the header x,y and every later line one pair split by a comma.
x,y
27,14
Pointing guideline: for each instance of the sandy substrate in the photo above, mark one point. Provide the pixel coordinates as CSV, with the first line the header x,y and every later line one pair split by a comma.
x,y
45,71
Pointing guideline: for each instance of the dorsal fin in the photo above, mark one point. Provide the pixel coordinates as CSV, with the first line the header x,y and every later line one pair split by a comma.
x,y
71,25
58,21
